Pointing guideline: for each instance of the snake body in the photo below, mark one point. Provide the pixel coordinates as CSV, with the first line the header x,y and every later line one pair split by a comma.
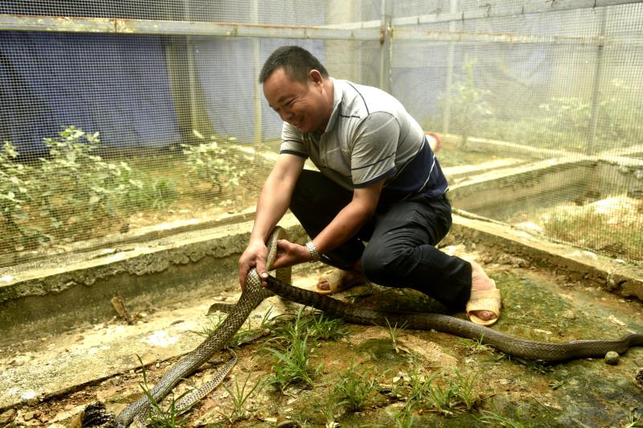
x,y
253,293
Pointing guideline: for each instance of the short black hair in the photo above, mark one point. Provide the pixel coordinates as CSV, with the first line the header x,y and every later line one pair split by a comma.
x,y
296,62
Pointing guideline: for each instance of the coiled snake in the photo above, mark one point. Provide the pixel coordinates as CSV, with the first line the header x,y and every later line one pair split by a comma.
x,y
253,294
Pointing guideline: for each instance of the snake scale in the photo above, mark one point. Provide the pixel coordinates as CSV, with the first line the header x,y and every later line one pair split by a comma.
x,y
253,294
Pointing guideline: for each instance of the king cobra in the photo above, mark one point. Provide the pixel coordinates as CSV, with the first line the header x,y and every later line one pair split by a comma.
x,y
253,294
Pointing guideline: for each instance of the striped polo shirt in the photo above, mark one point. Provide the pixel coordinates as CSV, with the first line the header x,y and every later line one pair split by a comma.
x,y
370,137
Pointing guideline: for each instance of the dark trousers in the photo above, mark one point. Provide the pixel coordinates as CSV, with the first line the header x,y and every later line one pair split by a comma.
x,y
401,240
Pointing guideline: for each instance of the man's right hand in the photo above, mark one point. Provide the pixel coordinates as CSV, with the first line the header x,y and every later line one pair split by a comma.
x,y
255,255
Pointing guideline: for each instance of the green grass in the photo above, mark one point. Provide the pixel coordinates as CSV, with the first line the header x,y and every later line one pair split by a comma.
x,y
239,395
353,389
292,364
444,394
598,232
159,417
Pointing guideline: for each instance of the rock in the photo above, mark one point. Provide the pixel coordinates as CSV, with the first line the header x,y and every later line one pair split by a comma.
x,y
7,417
638,378
612,358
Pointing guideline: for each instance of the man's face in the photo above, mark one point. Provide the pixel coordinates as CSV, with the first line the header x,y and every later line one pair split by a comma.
x,y
304,106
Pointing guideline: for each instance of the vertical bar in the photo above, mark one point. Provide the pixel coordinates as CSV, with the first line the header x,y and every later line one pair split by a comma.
x,y
596,90
385,46
191,72
256,60
446,118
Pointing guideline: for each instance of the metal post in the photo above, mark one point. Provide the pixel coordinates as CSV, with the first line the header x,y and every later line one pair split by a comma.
x,y
191,72
446,118
256,59
596,90
385,46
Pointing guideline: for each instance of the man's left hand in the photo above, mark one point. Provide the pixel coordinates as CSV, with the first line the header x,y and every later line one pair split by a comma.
x,y
290,254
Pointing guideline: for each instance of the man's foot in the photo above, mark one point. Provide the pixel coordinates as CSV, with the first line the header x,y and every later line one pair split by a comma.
x,y
337,280
484,304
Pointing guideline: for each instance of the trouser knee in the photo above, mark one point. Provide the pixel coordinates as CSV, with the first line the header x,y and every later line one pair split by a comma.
x,y
384,266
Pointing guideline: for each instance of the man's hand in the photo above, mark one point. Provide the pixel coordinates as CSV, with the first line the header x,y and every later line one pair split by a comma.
x,y
289,254
254,256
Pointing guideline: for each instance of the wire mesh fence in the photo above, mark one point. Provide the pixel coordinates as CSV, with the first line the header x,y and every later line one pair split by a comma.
x,y
118,116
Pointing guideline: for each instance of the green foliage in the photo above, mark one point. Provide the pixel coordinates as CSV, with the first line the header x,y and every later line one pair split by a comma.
x,y
355,388
466,104
393,332
157,417
496,420
291,364
239,395
292,349
246,333
213,162
572,115
445,394
72,192
594,230
15,194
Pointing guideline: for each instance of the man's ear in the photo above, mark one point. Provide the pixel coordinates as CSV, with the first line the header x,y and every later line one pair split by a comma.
x,y
315,76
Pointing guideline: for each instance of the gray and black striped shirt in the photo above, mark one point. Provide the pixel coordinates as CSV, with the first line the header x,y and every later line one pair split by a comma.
x,y
370,137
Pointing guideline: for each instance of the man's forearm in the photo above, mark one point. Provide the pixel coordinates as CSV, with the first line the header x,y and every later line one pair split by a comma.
x,y
343,227
271,208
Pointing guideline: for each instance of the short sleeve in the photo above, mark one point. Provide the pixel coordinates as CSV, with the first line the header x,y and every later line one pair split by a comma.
x,y
374,149
292,141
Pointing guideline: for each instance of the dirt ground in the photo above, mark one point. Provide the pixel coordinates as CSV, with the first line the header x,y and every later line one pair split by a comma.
x,y
503,391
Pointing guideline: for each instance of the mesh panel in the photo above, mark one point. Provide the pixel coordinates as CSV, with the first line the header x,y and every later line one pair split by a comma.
x,y
113,133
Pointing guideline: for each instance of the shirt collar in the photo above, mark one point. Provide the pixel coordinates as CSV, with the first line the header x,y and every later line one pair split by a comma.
x,y
337,100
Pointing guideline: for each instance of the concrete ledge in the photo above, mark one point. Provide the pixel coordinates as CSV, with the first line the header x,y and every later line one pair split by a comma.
x,y
76,289
578,265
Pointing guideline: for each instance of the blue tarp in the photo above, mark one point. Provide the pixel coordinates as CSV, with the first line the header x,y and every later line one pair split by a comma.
x,y
95,82
229,79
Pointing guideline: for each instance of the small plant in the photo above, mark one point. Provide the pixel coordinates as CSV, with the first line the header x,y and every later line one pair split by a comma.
x,y
496,420
156,416
239,395
444,394
245,334
354,388
467,105
472,347
393,332
15,195
290,352
328,409
213,163
404,418
292,364
323,327
634,419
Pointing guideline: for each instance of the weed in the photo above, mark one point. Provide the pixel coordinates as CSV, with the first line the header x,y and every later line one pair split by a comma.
x,y
239,395
328,410
212,162
321,326
404,418
442,393
496,420
292,365
245,334
157,417
354,388
634,419
393,332
464,386
472,347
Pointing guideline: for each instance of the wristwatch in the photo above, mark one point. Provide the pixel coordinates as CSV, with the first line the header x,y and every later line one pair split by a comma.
x,y
313,251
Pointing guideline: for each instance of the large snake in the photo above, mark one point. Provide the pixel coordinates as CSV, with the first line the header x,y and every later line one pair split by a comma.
x,y
254,293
